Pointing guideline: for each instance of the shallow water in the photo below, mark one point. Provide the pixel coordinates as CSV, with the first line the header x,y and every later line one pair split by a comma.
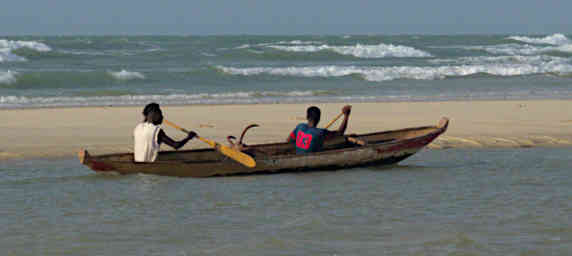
x,y
438,202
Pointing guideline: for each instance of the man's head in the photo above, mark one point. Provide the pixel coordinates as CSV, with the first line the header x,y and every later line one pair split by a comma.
x,y
153,113
313,115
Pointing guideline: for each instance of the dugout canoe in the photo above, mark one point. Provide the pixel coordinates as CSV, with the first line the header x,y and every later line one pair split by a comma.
x,y
380,148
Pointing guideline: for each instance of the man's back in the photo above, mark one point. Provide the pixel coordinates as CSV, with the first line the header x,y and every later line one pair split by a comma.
x,y
146,143
307,139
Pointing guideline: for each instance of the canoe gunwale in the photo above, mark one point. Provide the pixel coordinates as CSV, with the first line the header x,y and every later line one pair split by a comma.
x,y
284,143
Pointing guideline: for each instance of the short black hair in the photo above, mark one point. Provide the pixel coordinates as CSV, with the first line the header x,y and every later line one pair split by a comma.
x,y
313,113
151,107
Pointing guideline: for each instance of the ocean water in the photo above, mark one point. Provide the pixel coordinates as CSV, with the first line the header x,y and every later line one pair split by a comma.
x,y
438,202
134,70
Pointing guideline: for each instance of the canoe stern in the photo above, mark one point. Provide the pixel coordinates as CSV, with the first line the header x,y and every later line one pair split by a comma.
x,y
86,159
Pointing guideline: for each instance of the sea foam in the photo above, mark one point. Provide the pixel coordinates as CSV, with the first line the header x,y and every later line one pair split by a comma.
x,y
506,59
378,74
7,46
518,49
555,39
244,97
24,44
359,50
8,77
285,43
126,75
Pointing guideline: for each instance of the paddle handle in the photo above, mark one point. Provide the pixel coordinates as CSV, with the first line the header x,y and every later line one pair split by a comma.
x,y
175,126
213,144
334,120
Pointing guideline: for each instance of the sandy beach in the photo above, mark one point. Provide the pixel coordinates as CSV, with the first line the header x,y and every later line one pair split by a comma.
x,y
61,132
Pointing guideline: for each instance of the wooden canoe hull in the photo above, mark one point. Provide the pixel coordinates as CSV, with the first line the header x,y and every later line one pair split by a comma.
x,y
380,148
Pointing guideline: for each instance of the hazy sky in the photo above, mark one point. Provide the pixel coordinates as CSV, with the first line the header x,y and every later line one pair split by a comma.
x,y
62,17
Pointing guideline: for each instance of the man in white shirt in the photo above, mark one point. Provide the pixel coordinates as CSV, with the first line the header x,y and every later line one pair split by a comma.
x,y
148,135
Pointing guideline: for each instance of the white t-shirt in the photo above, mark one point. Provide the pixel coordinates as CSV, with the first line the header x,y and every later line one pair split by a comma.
x,y
146,142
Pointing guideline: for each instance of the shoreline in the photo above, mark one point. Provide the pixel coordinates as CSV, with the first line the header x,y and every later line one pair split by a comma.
x,y
287,103
55,132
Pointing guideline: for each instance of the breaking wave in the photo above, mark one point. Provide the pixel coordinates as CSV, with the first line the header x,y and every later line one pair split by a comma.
x,y
262,98
7,47
66,79
8,77
511,59
378,74
518,49
125,75
555,39
293,42
359,50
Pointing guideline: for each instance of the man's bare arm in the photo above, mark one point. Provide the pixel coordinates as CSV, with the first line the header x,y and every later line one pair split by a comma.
x,y
163,138
343,126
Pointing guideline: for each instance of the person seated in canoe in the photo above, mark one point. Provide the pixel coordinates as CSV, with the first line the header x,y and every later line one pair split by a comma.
x,y
148,135
308,138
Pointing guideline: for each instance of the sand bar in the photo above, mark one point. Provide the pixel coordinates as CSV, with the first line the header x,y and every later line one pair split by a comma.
x,y
61,132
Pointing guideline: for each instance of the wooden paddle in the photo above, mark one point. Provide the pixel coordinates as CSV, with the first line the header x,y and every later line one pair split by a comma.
x,y
334,120
236,155
350,139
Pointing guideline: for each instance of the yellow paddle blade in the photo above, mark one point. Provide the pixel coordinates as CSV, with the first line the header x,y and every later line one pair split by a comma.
x,y
236,155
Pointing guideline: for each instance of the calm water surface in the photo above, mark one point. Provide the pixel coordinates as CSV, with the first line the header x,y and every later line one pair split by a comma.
x,y
441,202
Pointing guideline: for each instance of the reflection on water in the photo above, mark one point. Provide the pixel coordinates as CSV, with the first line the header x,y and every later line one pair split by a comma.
x,y
440,202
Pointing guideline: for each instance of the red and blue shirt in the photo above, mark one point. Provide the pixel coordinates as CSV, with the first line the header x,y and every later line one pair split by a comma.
x,y
308,139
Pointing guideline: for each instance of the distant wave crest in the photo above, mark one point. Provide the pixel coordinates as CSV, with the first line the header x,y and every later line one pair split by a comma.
x,y
507,59
293,42
8,77
517,49
7,47
555,39
126,75
359,50
378,74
